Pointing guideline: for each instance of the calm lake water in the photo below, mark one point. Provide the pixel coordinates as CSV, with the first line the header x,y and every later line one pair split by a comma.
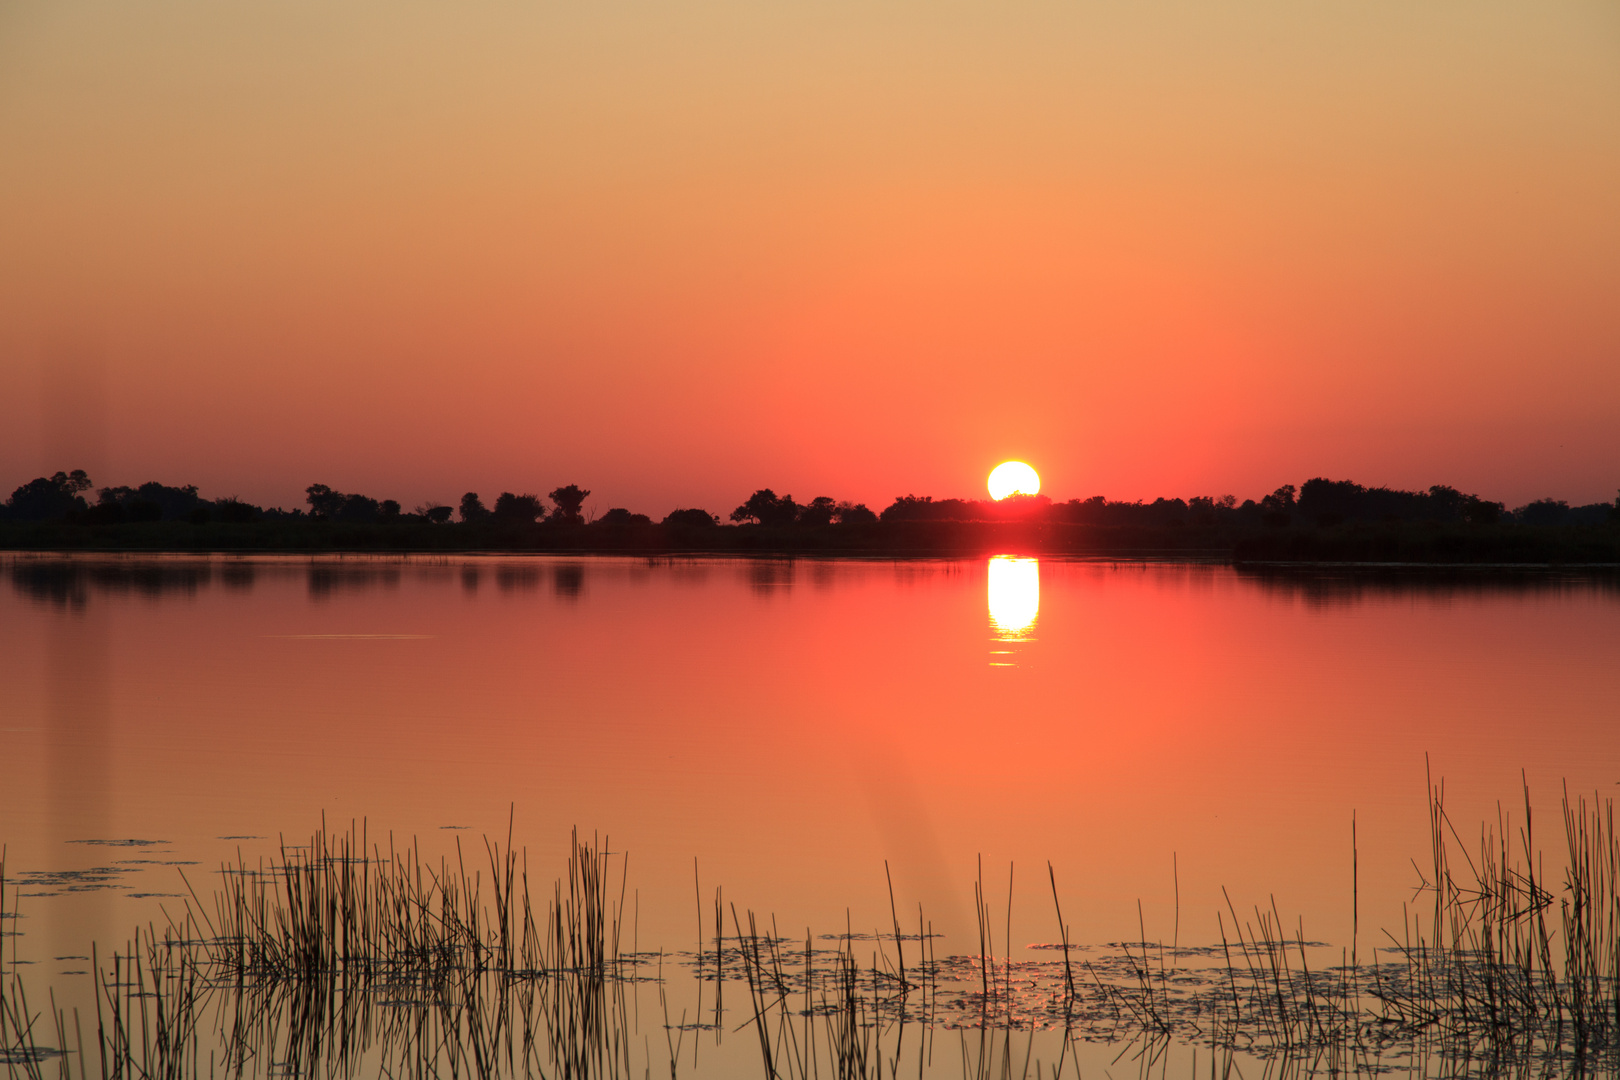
x,y
784,728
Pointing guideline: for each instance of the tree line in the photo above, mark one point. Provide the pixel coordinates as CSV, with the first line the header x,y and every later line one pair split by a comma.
x,y
1318,503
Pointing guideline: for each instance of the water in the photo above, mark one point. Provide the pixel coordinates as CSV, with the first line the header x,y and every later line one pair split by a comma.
x,y
788,730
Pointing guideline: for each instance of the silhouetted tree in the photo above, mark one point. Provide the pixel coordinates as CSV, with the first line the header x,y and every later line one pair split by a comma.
x,y
701,519
472,507
433,512
818,511
908,508
765,508
177,503
855,514
323,501
1542,512
1277,509
928,508
520,508
388,510
1016,507
234,511
147,502
1281,499
1328,502
47,498
620,516
568,499
329,505
359,508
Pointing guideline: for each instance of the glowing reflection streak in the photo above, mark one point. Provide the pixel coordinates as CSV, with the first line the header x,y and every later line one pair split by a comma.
x,y
1014,596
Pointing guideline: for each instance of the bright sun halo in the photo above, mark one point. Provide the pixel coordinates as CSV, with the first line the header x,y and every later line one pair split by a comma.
x,y
1013,478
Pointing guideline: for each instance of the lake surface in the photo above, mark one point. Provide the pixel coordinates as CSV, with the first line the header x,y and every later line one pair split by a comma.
x,y
787,730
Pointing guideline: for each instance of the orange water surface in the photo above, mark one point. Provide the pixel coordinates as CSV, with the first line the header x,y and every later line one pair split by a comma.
x,y
784,728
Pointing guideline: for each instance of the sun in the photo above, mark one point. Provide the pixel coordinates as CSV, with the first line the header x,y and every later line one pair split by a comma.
x,y
1013,478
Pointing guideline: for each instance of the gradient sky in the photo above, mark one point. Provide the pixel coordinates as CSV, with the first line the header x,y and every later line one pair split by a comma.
x,y
675,252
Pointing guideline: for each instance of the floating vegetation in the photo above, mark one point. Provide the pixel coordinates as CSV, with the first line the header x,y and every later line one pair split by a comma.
x,y
91,879
348,958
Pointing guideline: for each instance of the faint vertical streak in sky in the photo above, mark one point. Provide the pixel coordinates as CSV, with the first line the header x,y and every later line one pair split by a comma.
x,y
75,407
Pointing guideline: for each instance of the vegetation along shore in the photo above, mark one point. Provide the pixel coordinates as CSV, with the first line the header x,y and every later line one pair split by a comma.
x,y
1320,521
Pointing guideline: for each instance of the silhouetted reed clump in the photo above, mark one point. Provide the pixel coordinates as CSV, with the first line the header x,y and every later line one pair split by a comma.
x,y
344,959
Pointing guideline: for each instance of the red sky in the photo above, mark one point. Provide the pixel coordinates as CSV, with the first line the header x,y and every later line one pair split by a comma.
x,y
677,252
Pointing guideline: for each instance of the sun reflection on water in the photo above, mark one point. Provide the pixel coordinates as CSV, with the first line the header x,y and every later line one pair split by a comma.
x,y
1014,596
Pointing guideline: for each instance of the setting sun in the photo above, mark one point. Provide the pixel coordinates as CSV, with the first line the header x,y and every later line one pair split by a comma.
x,y
1013,478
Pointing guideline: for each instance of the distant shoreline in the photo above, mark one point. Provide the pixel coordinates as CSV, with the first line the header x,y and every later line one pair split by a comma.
x,y
1373,545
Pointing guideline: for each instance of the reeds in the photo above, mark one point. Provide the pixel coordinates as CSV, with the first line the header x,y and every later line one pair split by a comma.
x,y
341,959
347,958
1505,965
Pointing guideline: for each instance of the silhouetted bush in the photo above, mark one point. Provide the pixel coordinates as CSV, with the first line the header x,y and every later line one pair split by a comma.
x,y
620,516
926,508
1542,512
701,519
433,513
922,508
234,511
855,514
1594,514
472,508
518,508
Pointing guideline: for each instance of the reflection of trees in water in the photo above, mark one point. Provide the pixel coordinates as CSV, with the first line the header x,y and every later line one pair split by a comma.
x,y
61,584
823,574
680,570
517,578
328,578
568,580
69,582
769,575
1342,587
72,582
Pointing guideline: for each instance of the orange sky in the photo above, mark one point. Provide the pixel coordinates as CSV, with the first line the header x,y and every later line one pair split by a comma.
x,y
676,252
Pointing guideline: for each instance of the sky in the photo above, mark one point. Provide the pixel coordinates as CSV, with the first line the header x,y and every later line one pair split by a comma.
x,y
676,252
